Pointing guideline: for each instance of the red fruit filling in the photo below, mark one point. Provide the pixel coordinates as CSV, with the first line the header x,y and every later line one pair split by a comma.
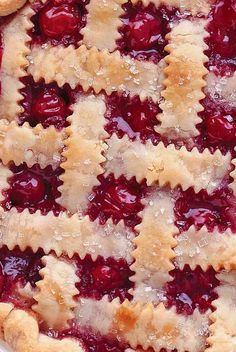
x,y
144,30
59,22
130,116
218,129
191,289
94,342
222,44
117,199
216,209
45,103
16,269
33,188
104,277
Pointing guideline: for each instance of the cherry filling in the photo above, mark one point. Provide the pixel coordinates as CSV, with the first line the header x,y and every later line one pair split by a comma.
x,y
45,103
104,277
218,129
216,209
222,44
119,199
16,270
94,342
59,22
191,289
130,116
144,30
33,188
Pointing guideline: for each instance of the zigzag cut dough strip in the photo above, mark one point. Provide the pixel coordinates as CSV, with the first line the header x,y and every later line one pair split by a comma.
x,y
42,146
223,328
83,153
103,21
14,63
64,235
96,69
56,292
194,6
144,325
184,80
166,164
224,88
206,249
154,248
5,174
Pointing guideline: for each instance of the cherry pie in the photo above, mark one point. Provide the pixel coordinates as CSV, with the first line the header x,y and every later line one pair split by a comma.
x,y
117,175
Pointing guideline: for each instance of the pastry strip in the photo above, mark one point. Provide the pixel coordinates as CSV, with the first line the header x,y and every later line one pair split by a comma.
x,y
103,22
30,145
5,173
184,80
222,89
144,325
14,63
166,165
154,248
206,249
83,153
64,235
194,6
55,297
223,328
96,69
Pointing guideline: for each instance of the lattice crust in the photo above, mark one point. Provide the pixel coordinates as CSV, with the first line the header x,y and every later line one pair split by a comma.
x,y
103,21
166,164
223,328
96,69
233,175
14,62
21,332
9,6
30,145
184,80
222,88
56,296
64,234
83,153
145,325
5,173
206,249
154,248
194,6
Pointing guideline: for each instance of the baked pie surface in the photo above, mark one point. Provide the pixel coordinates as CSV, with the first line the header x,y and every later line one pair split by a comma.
x,y
117,175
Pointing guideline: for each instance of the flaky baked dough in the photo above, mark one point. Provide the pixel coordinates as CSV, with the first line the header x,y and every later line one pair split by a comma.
x,y
96,69
166,165
194,6
40,146
62,234
83,153
103,22
184,80
55,293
